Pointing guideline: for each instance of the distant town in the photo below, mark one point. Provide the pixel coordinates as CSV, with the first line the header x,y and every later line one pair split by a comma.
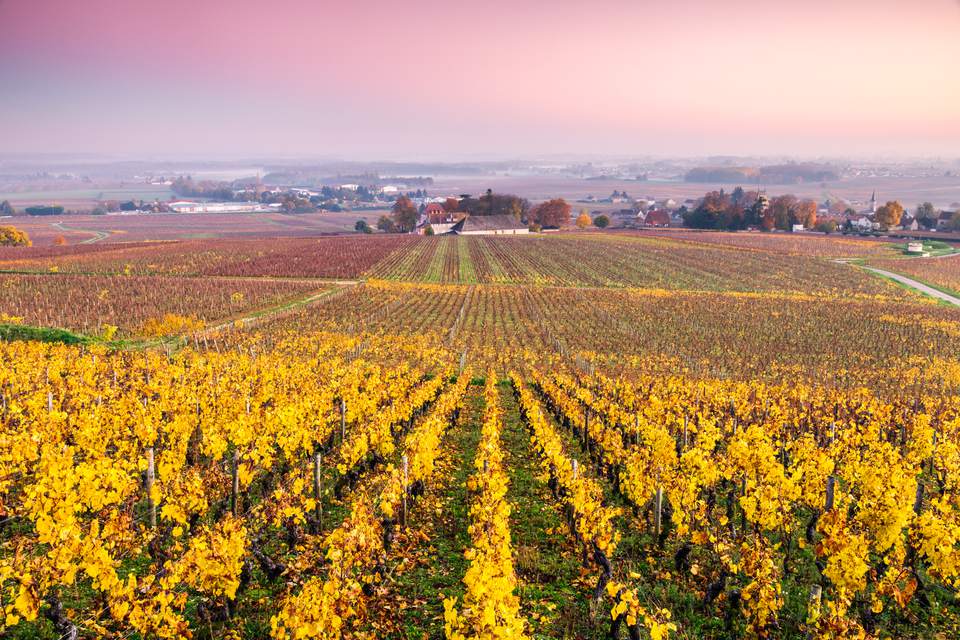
x,y
845,197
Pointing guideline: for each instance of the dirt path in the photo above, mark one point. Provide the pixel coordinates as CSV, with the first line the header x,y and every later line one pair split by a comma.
x,y
264,315
97,235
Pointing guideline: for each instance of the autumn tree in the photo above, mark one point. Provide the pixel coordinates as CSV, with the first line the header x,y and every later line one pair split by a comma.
x,y
720,210
60,241
552,213
404,214
13,237
451,204
583,220
385,223
927,215
495,204
889,214
805,213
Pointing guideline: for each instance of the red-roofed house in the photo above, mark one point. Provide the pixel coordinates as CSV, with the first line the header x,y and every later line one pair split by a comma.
x,y
657,218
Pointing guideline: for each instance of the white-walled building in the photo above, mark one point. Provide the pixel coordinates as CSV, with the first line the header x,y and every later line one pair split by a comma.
x,y
184,206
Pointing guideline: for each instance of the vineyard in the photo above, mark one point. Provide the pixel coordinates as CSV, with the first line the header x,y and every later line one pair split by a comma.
x,y
792,244
581,436
587,260
89,304
942,273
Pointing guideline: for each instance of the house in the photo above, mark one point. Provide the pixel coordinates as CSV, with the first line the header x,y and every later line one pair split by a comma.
x,y
439,220
657,218
946,217
490,226
433,209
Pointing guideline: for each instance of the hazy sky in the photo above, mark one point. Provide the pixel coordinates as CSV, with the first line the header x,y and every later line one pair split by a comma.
x,y
423,78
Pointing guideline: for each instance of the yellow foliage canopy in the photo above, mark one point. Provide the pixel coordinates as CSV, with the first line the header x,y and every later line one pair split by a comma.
x,y
13,237
171,324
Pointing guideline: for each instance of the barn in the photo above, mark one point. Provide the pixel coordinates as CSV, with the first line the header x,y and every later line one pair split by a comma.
x,y
490,226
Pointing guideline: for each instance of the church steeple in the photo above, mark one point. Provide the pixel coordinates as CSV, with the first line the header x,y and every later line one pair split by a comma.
x,y
873,202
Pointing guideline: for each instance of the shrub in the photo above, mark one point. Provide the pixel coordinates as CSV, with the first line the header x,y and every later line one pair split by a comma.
x,y
13,237
828,226
601,222
171,324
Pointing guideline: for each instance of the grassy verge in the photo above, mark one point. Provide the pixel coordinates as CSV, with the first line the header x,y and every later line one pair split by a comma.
x,y
14,332
468,274
554,590
427,562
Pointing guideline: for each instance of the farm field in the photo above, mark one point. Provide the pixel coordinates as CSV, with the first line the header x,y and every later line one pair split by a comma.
x,y
709,333
585,436
44,230
137,305
336,257
563,260
788,243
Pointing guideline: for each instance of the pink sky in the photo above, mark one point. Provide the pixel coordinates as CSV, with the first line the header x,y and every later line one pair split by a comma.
x,y
500,77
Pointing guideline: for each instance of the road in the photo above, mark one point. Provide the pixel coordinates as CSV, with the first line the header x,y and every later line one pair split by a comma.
x,y
919,286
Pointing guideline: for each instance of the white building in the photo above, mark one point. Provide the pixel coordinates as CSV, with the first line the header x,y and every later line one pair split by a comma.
x,y
184,206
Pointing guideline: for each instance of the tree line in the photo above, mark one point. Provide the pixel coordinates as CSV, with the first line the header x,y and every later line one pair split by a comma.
x,y
741,209
553,213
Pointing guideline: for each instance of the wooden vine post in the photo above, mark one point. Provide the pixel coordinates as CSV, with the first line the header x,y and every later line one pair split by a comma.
x,y
658,510
343,420
235,493
151,475
406,479
831,489
813,604
318,487
586,428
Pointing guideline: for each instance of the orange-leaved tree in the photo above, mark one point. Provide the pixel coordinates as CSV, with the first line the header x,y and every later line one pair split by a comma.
x,y
404,214
552,213
889,214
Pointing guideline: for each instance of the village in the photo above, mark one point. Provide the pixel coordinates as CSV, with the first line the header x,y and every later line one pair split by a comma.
x,y
430,211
